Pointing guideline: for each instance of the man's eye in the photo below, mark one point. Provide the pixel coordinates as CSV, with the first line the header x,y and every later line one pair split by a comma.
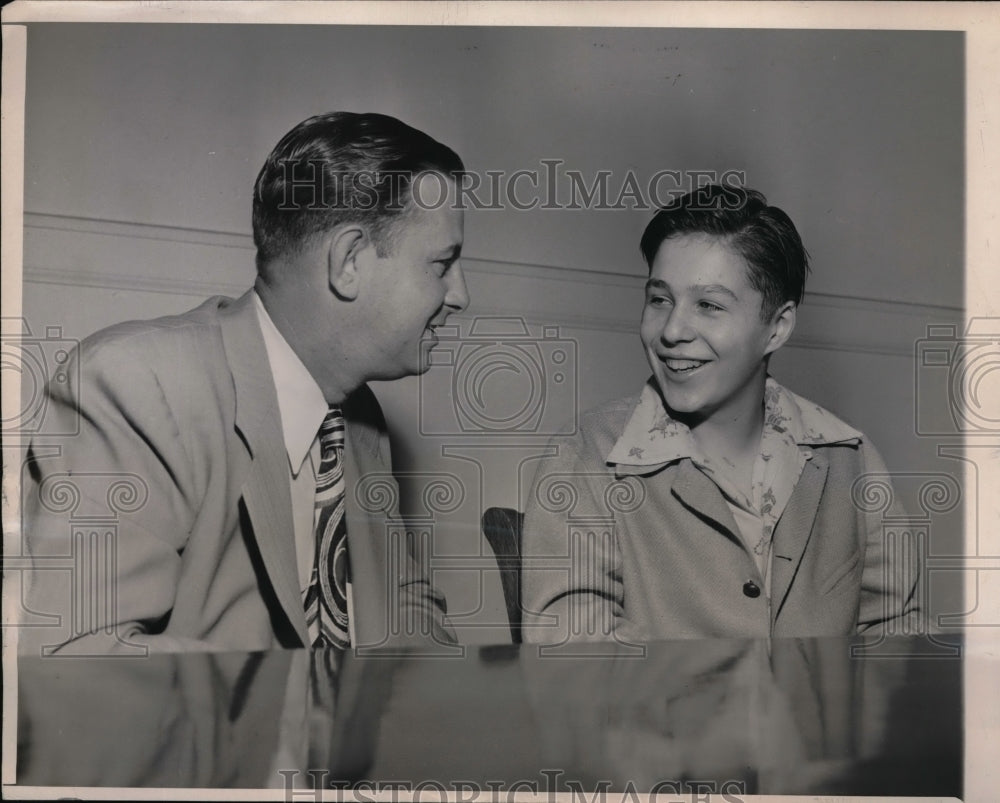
x,y
710,306
657,301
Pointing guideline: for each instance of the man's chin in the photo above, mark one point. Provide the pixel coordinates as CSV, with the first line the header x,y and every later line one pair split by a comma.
x,y
424,362
401,370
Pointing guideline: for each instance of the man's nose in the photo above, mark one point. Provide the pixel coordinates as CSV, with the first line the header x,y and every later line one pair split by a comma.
x,y
457,297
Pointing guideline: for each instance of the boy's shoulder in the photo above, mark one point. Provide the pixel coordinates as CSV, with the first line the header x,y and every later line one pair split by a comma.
x,y
597,429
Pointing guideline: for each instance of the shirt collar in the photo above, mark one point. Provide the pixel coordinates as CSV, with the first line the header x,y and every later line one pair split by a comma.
x,y
652,439
301,403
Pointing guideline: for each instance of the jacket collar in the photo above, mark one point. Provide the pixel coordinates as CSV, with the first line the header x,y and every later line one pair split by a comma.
x,y
257,416
300,400
652,439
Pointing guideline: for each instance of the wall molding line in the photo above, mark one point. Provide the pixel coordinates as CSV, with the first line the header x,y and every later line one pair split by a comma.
x,y
224,239
141,231
106,281
72,251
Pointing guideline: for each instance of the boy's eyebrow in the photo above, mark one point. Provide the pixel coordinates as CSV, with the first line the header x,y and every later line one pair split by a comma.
x,y
659,284
716,288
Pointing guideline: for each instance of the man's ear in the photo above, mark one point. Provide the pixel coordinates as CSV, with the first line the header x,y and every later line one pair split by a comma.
x,y
782,326
345,247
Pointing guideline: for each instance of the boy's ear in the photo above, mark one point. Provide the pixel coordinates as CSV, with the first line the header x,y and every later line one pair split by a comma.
x,y
782,326
346,247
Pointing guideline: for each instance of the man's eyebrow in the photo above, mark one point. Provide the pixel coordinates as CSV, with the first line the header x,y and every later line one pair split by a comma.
x,y
656,284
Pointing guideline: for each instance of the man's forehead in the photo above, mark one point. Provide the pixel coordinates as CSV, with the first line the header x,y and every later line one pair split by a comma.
x,y
439,228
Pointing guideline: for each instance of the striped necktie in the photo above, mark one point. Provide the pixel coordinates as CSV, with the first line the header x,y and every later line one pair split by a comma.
x,y
325,600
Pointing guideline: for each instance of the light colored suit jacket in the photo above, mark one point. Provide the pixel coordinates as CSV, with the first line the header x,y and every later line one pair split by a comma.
x,y
171,503
657,554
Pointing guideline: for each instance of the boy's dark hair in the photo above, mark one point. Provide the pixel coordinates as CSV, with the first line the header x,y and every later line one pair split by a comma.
x,y
777,262
341,167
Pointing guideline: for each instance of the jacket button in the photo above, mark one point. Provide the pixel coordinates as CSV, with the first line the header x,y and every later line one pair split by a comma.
x,y
751,589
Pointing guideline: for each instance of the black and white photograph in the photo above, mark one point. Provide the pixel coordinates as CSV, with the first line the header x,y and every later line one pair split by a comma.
x,y
497,401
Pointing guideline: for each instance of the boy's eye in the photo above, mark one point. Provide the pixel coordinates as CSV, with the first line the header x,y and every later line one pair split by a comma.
x,y
711,306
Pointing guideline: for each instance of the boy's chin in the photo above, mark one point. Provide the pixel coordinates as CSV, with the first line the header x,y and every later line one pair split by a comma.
x,y
677,399
682,406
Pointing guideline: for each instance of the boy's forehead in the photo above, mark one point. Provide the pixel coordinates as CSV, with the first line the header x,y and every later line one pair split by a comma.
x,y
699,259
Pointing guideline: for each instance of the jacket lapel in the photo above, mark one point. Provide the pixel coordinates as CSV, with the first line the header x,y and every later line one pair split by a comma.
x,y
703,497
795,527
266,492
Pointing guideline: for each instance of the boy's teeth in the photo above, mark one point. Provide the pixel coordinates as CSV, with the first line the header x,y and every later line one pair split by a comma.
x,y
684,365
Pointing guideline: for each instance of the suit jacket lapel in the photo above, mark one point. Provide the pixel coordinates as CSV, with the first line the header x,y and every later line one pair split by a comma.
x,y
795,527
266,492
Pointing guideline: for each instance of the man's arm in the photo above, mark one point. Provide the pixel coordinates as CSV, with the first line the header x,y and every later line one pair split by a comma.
x,y
422,609
107,511
423,606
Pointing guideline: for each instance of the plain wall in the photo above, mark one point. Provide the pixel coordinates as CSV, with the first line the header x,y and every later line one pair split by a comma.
x,y
142,143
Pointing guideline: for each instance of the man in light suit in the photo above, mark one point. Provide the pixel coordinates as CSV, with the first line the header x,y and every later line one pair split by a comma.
x,y
201,433
715,502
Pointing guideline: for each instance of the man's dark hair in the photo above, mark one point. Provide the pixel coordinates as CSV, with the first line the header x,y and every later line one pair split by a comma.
x,y
777,262
337,168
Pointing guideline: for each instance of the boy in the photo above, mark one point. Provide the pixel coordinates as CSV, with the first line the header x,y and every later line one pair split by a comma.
x,y
715,503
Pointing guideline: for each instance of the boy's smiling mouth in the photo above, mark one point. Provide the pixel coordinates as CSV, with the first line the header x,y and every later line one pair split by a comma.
x,y
683,367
